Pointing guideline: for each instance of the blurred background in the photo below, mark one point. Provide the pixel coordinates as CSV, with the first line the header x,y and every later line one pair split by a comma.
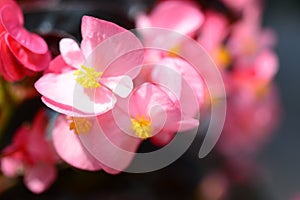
x,y
271,175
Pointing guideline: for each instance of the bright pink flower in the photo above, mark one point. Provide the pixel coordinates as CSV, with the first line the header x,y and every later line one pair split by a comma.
x,y
183,80
83,80
184,17
21,52
31,154
110,140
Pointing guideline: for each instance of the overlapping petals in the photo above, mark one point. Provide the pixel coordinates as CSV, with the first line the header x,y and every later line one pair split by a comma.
x,y
22,52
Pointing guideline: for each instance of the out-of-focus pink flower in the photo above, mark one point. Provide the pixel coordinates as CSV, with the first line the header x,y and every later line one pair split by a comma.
x,y
21,52
250,44
31,154
251,118
214,186
212,35
83,80
184,17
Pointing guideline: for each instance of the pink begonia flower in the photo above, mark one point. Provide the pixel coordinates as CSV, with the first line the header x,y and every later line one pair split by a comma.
x,y
184,17
248,42
82,80
21,52
31,154
109,141
212,35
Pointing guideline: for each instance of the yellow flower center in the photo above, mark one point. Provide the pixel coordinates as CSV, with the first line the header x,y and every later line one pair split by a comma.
x,y
223,57
87,77
174,51
80,125
142,127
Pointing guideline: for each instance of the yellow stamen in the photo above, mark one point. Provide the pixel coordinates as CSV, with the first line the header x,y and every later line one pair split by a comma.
x,y
80,125
142,127
174,51
223,57
87,77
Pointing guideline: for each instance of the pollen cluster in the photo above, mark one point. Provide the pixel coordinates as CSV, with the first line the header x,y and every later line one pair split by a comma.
x,y
80,125
87,77
142,127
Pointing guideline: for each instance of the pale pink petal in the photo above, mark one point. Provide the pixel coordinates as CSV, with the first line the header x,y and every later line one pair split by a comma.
x,y
71,53
64,109
266,65
166,75
32,61
63,90
39,177
69,147
121,85
182,16
108,144
11,21
142,21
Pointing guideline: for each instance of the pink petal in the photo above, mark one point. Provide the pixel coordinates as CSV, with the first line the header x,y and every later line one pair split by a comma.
x,y
70,148
189,90
266,65
11,20
121,85
108,144
11,68
94,31
182,16
39,177
120,54
153,101
58,65
11,167
64,109
63,91
32,61
162,138
71,53
213,31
